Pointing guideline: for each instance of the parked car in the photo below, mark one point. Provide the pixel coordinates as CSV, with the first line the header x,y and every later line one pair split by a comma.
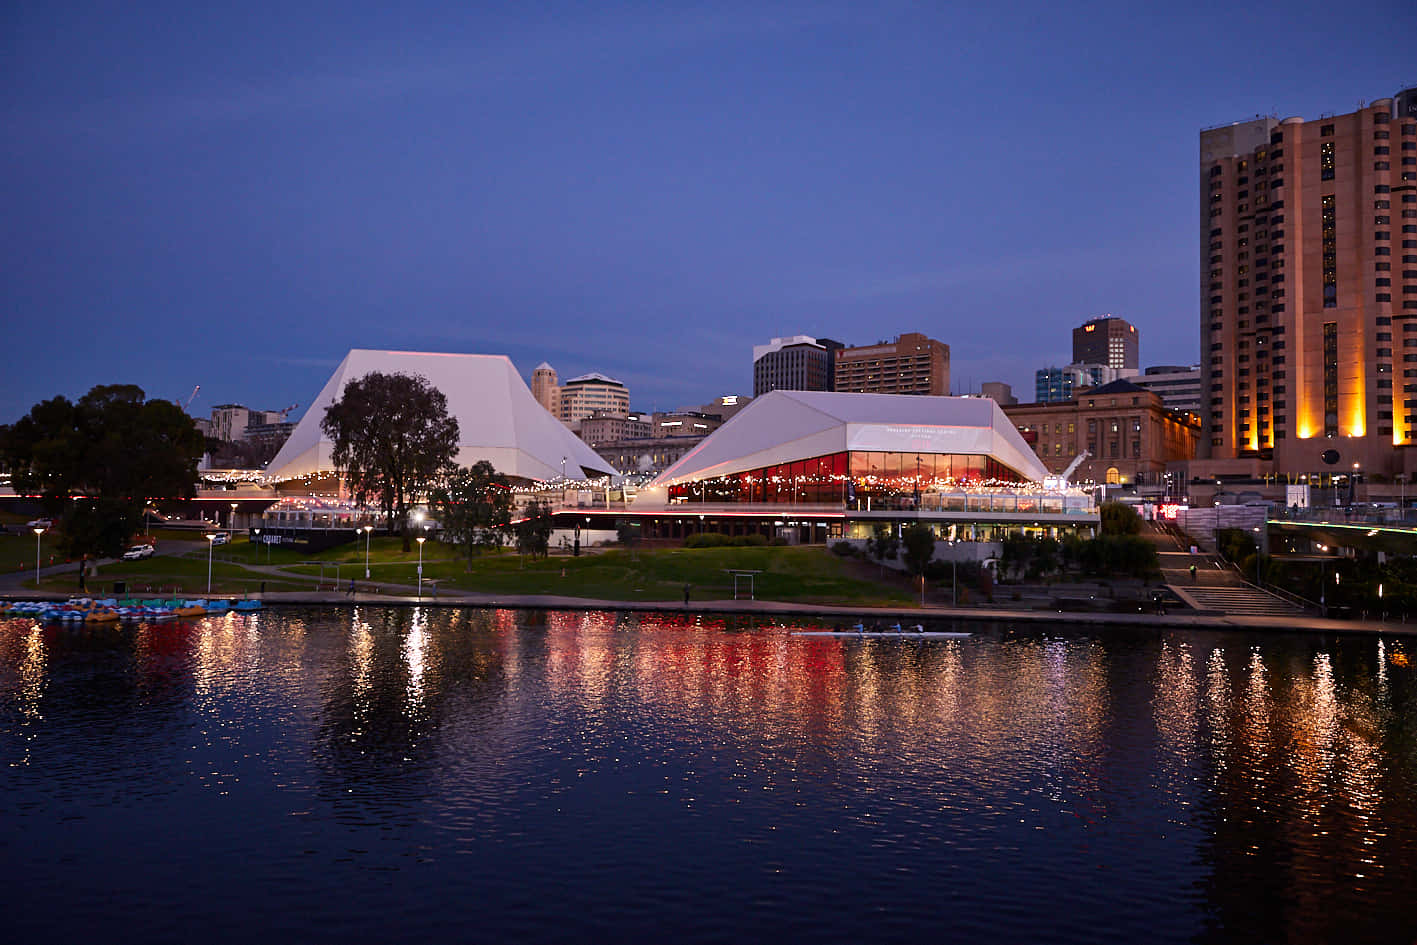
x,y
138,552
39,523
220,538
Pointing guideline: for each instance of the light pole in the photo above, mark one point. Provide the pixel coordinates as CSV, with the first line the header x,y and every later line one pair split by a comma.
x,y
231,525
211,543
420,540
37,533
368,530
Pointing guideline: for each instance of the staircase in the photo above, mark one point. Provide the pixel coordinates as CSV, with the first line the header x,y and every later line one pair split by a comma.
x,y
1214,587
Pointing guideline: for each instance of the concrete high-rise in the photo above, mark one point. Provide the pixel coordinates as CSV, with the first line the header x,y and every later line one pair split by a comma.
x,y
1107,340
912,364
1308,315
545,387
591,394
798,362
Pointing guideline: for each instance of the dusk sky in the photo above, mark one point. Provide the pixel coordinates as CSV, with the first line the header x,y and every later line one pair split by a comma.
x,y
236,197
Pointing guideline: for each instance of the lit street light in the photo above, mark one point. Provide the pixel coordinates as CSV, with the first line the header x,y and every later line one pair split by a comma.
x,y
420,540
231,525
37,533
211,543
368,530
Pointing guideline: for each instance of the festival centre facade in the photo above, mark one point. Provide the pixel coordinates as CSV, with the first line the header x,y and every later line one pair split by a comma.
x,y
814,466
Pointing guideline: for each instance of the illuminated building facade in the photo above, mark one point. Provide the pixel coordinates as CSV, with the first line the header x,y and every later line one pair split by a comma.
x,y
1108,340
1308,316
589,394
834,464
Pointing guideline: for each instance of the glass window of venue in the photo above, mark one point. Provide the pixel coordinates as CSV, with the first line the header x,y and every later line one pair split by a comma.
x,y
840,477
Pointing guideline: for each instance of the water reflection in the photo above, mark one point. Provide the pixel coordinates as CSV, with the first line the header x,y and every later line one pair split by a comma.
x,y
1223,786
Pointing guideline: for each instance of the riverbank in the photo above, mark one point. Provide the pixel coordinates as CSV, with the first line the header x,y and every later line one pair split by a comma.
x,y
843,614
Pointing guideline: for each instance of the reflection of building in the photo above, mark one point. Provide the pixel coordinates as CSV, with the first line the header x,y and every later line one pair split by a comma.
x,y
837,464
590,394
912,364
498,419
799,362
1308,250
1107,340
1130,435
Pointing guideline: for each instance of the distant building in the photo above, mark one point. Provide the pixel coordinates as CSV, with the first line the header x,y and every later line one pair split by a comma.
x,y
590,394
229,422
799,362
912,364
545,387
271,436
724,407
999,392
1107,340
1178,385
1053,384
1128,431
613,427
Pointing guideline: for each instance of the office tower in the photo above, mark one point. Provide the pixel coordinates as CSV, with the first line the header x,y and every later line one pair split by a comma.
x,y
1107,340
799,362
1178,385
1308,316
545,387
590,394
912,364
1052,384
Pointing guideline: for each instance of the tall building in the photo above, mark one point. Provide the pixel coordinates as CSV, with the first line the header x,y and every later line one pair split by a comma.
x,y
1107,340
999,392
545,387
1308,247
799,362
590,394
912,364
1179,386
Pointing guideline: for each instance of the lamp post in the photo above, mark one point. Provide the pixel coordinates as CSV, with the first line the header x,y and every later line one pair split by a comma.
x,y
368,530
37,533
211,543
231,525
421,539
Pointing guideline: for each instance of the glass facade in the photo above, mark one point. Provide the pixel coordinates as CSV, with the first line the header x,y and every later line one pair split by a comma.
x,y
883,479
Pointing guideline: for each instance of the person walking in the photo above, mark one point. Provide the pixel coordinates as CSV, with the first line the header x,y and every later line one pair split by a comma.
x,y
350,592
1193,574
686,595
83,567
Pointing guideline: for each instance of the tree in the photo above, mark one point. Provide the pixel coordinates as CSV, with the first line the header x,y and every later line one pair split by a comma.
x,y
1119,519
882,545
628,534
919,544
393,439
474,505
96,463
534,530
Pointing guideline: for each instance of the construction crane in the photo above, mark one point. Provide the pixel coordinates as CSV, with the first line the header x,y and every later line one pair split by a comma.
x,y
191,398
1059,482
285,411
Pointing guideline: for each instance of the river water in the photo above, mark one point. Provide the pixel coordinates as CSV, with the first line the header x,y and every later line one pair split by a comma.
x,y
383,774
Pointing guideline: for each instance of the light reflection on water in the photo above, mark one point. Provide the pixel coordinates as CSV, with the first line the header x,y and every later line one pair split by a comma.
x,y
371,773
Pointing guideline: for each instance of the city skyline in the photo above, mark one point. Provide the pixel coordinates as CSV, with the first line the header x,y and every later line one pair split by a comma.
x,y
236,199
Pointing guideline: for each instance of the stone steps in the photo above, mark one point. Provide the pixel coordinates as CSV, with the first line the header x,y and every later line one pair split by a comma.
x,y
1241,599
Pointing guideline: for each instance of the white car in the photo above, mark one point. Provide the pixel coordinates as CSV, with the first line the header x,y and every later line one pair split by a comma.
x,y
40,523
138,552
220,538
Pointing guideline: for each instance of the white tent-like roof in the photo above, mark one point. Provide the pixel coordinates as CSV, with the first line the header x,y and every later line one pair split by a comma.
x,y
498,419
788,425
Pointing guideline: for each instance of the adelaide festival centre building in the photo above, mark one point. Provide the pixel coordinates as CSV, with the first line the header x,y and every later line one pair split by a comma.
x,y
813,466
498,420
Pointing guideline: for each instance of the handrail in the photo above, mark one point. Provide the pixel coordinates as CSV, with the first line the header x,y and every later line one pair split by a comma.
x,y
1285,595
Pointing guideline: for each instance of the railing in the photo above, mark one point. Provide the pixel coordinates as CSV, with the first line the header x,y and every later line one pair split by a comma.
x,y
1362,515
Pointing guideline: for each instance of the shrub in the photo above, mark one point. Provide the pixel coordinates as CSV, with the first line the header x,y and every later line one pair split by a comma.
x,y
843,549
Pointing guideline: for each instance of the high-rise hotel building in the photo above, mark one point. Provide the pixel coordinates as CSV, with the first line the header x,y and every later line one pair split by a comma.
x,y
1308,250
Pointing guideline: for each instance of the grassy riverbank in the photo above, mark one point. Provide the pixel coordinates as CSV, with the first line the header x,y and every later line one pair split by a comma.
x,y
809,574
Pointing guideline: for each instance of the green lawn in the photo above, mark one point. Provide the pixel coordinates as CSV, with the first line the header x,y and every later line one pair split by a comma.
x,y
806,575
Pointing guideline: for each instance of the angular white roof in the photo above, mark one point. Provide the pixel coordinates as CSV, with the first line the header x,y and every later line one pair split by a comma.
x,y
498,418
787,425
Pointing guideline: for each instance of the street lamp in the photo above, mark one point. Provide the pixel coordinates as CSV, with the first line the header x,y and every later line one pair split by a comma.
x,y
231,525
420,540
368,530
211,543
37,533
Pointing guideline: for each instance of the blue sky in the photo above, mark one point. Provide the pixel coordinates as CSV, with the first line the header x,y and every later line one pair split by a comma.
x,y
233,198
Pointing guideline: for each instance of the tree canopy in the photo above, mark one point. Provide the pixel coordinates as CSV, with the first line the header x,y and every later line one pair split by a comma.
x,y
919,544
474,505
393,440
1119,519
96,463
534,530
